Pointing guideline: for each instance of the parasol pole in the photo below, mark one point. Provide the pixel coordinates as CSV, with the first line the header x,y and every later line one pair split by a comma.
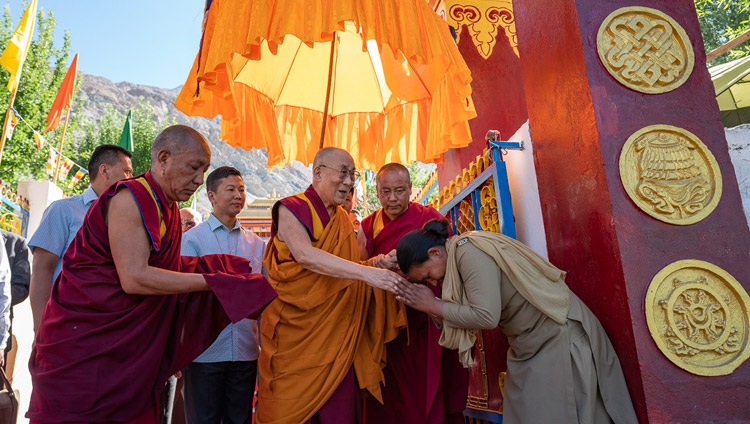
x,y
328,91
60,148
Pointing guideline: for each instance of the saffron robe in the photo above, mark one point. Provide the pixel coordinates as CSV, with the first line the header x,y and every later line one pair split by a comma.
x,y
319,327
102,355
424,382
561,364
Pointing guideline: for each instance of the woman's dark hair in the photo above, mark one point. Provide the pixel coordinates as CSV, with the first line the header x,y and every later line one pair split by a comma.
x,y
412,248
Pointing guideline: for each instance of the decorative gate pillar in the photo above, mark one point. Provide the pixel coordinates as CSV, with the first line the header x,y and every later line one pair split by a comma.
x,y
639,196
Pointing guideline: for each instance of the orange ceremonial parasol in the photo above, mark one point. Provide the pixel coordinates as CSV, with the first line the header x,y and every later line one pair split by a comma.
x,y
382,79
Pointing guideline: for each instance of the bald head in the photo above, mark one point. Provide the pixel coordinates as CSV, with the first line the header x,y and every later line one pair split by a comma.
x,y
393,185
179,158
395,169
178,139
333,153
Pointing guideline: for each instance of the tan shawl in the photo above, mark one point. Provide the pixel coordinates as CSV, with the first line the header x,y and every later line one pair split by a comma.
x,y
537,280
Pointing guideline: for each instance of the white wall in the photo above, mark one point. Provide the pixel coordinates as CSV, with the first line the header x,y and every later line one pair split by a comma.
x,y
738,141
40,195
524,192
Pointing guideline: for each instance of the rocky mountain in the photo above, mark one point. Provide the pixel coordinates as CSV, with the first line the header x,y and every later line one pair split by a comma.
x,y
97,92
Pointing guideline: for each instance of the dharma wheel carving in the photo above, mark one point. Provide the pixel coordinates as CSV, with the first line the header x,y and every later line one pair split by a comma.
x,y
670,174
698,315
645,50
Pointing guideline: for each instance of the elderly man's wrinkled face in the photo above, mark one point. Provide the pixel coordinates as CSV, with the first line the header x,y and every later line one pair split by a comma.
x,y
394,190
335,176
184,170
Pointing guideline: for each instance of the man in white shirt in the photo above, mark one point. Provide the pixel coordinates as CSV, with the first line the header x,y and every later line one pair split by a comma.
x,y
219,384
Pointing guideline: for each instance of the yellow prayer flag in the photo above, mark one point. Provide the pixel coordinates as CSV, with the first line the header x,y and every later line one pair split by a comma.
x,y
15,53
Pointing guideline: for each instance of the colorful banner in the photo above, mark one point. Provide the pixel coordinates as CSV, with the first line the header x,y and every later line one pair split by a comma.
x,y
67,165
14,118
39,139
64,97
77,177
15,52
52,162
126,138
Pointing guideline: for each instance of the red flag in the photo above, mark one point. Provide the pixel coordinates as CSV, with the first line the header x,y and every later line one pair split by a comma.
x,y
64,96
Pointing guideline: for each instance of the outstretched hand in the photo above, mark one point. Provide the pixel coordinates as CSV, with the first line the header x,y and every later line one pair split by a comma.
x,y
385,279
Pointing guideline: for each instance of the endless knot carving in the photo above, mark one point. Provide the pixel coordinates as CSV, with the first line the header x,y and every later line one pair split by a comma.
x,y
482,18
698,315
645,50
670,174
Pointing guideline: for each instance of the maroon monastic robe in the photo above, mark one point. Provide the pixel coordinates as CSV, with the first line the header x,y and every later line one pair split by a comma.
x,y
424,382
102,355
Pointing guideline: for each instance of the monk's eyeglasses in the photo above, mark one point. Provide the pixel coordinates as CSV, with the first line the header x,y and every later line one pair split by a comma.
x,y
345,173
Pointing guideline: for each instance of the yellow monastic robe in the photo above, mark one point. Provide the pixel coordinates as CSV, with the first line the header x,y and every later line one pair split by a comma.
x,y
319,326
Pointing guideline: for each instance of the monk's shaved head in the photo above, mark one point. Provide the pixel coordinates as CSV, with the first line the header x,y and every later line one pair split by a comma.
x,y
394,168
393,185
177,139
328,153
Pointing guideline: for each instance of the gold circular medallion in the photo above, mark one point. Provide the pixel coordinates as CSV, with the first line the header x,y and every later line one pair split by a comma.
x,y
645,50
670,174
697,314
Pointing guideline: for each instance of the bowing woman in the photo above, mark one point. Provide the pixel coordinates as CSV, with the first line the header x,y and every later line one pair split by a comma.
x,y
561,364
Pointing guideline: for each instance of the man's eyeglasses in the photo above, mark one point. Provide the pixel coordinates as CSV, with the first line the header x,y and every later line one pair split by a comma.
x,y
345,173
188,223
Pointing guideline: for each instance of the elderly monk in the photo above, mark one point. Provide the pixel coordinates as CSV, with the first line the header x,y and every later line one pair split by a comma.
x,y
325,333
424,382
125,312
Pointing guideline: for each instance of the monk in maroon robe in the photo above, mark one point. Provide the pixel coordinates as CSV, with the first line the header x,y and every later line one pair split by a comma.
x,y
127,311
424,382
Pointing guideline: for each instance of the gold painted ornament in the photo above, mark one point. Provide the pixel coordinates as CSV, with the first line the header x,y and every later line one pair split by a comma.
x,y
670,174
698,315
645,50
484,19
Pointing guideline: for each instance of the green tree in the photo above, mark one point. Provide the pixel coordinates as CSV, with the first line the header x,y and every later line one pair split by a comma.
x,y
722,21
107,130
42,74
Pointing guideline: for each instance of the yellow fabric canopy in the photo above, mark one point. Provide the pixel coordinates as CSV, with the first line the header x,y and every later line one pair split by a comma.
x,y
395,85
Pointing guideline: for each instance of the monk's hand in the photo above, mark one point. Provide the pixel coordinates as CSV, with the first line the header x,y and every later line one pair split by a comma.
x,y
393,261
387,261
421,298
385,279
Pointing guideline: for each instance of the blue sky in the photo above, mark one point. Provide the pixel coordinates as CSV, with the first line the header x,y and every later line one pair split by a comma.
x,y
150,42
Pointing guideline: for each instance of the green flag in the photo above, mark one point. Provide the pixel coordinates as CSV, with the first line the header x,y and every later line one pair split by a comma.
x,y
126,139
